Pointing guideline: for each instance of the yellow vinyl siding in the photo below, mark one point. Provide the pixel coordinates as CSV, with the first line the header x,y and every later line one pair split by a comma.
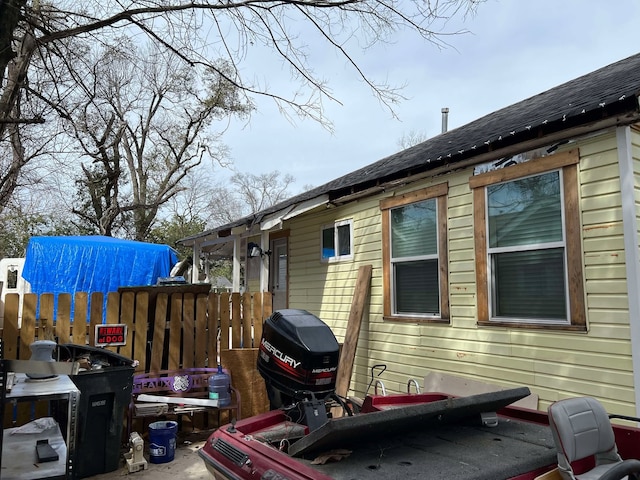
x,y
462,289
553,363
326,289
605,270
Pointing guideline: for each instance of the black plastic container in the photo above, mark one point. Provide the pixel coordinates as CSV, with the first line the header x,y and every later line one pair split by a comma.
x,y
298,356
105,393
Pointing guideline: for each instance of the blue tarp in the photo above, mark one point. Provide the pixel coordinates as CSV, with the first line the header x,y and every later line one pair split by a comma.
x,y
93,264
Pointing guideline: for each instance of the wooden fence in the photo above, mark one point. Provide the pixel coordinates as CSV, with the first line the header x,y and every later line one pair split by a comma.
x,y
173,330
166,329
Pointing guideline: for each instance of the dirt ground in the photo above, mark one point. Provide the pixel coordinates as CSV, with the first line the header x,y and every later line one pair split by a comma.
x,y
186,465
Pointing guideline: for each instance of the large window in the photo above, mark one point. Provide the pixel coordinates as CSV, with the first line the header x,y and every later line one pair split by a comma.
x,y
528,255
527,248
337,241
414,255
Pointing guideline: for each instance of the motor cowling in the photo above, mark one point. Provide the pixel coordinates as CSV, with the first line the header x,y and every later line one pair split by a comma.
x,y
298,355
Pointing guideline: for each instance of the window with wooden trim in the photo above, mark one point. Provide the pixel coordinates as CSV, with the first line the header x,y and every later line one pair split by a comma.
x,y
337,241
527,244
414,251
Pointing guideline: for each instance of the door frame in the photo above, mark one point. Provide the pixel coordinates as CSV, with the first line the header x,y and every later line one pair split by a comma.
x,y
277,241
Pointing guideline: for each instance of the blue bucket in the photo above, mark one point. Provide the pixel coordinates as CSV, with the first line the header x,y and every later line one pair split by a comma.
x,y
162,436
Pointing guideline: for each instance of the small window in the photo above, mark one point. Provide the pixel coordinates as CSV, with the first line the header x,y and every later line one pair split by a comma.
x,y
414,258
337,241
414,243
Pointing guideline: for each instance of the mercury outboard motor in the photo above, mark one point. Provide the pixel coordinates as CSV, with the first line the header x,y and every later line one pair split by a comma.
x,y
299,362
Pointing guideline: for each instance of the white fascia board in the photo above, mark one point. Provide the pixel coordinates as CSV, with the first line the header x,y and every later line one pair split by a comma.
x,y
240,230
275,219
307,205
204,238
293,211
217,241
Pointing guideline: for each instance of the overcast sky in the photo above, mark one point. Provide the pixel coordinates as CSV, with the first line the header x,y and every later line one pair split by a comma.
x,y
515,49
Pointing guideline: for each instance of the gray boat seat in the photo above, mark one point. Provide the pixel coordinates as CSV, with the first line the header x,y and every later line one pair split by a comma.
x,y
581,428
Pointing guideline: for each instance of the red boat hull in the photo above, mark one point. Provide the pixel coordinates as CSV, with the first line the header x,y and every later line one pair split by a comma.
x,y
256,448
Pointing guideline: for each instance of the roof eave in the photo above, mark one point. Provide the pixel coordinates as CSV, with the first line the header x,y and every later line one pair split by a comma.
x,y
543,135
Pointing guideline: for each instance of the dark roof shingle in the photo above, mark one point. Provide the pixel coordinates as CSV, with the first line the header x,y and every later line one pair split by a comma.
x,y
605,93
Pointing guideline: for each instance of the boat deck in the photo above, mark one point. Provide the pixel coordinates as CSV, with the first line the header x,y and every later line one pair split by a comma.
x,y
454,451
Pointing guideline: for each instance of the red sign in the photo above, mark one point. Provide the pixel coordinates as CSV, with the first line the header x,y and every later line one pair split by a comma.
x,y
113,334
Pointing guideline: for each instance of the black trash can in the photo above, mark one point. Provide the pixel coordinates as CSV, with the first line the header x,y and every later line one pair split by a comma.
x,y
105,382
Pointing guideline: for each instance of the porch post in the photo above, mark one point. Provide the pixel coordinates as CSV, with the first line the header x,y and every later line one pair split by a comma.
x,y
195,267
236,265
264,264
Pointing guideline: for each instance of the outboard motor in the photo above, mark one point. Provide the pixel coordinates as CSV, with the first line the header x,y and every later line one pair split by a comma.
x,y
299,361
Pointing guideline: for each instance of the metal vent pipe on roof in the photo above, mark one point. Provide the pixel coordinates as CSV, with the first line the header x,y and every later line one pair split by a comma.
x,y
445,118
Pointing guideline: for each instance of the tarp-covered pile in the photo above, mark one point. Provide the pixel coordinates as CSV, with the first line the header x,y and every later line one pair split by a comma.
x,y
94,264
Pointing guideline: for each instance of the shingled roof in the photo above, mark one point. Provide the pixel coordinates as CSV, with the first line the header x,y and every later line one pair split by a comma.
x,y
605,97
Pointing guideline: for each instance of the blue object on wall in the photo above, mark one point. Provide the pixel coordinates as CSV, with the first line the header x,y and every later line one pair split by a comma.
x,y
93,264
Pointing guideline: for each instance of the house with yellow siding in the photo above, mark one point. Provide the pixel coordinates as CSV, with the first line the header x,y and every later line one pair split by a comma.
x,y
505,251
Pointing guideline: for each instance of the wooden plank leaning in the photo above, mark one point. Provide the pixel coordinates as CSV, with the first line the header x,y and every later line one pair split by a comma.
x,y
348,352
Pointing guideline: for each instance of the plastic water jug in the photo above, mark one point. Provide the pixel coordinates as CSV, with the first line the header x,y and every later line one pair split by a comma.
x,y
220,387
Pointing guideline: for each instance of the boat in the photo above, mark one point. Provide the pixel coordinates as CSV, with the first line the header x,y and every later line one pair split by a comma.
x,y
312,434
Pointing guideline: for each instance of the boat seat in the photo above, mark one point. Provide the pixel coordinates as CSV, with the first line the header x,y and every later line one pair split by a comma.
x,y
581,428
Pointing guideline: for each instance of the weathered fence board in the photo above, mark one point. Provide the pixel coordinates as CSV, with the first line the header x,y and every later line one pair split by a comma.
x,y
158,332
127,315
175,326
79,336
236,321
200,334
213,325
225,320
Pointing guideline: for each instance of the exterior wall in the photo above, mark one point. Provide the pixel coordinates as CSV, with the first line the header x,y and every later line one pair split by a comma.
x,y
325,289
606,348
553,363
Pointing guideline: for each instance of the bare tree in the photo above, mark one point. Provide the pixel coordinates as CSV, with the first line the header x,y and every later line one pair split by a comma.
x,y
263,190
143,121
26,217
201,34
413,137
247,193
24,146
